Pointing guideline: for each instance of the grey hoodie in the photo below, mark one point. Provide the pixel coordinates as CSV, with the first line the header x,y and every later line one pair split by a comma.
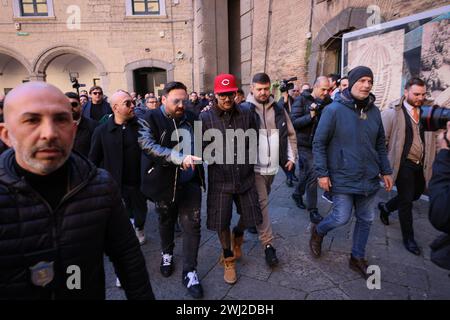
x,y
268,148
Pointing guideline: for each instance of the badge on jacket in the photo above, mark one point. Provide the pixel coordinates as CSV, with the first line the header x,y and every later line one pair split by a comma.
x,y
42,273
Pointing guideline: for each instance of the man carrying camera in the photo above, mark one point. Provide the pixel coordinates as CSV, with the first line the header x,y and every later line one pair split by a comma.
x,y
439,214
406,151
305,116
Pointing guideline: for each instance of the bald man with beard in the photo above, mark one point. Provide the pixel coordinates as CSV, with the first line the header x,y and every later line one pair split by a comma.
x,y
59,213
115,148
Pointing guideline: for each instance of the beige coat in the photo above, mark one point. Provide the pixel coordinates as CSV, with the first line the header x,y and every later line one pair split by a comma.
x,y
394,129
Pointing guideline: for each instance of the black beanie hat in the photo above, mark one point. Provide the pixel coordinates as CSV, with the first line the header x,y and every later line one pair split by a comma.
x,y
357,73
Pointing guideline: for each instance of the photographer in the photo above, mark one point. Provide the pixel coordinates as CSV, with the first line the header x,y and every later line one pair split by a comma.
x,y
289,93
406,152
439,188
306,112
288,97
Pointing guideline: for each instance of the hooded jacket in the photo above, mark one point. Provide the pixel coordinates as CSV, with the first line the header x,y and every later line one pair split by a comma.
x,y
89,221
277,142
349,146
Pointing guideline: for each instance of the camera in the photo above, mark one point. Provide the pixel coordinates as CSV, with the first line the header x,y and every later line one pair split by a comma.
x,y
286,85
434,117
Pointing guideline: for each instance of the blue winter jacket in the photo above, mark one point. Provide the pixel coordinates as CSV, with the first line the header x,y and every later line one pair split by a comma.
x,y
349,146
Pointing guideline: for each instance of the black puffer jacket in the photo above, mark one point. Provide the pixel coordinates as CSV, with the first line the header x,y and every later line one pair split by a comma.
x,y
89,221
304,125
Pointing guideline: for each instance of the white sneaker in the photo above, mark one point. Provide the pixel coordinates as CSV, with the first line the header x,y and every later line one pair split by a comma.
x,y
140,234
118,284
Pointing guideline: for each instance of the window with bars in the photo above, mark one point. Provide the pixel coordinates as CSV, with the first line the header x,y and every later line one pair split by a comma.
x,y
146,7
33,8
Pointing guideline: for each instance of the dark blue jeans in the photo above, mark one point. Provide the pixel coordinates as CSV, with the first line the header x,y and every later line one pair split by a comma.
x,y
307,178
341,214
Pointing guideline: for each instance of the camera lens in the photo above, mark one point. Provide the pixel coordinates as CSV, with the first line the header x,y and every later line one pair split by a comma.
x,y
434,117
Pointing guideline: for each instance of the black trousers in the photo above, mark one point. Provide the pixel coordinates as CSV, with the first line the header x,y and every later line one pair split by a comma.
x,y
136,205
187,205
410,185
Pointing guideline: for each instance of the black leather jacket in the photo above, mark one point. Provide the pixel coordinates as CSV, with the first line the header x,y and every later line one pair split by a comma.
x,y
160,165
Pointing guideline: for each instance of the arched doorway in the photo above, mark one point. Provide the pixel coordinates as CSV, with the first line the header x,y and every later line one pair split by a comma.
x,y
149,80
12,73
60,70
326,46
142,74
55,64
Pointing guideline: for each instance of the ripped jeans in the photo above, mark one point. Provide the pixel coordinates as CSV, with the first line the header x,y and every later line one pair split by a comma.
x,y
187,206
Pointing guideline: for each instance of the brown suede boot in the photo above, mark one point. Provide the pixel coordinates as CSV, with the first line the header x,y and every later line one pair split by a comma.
x,y
315,243
229,275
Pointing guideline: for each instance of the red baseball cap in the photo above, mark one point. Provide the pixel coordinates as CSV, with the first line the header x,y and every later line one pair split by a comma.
x,y
225,83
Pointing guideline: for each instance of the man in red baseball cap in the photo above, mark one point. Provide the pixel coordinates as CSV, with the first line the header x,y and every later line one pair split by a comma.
x,y
230,181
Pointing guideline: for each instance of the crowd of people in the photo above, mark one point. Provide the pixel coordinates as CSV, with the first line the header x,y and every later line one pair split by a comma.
x,y
77,172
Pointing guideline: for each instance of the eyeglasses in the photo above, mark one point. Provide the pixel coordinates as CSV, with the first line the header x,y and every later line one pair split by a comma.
x,y
74,104
95,93
151,102
225,95
178,101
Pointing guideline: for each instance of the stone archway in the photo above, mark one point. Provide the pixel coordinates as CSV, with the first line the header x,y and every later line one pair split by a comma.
x,y
14,69
147,63
349,19
40,64
17,56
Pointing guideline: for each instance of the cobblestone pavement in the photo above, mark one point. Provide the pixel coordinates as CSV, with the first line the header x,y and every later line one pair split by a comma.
x,y
299,276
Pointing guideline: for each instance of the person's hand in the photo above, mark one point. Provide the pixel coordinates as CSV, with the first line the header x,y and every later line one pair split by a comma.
x,y
325,183
440,142
312,110
289,165
285,96
189,162
388,183
206,108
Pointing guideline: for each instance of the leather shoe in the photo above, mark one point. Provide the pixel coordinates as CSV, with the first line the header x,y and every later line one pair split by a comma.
x,y
359,265
411,246
298,201
384,213
289,182
315,217
315,243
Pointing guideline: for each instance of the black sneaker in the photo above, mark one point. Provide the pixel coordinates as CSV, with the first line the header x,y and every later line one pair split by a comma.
x,y
298,201
384,213
271,256
314,216
191,282
166,266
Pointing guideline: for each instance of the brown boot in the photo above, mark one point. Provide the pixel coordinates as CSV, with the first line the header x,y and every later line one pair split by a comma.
x,y
236,243
315,243
230,270
359,265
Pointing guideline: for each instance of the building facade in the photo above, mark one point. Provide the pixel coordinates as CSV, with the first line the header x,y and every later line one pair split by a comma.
x,y
138,45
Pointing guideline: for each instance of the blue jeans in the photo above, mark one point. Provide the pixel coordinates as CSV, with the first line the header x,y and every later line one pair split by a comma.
x,y
341,213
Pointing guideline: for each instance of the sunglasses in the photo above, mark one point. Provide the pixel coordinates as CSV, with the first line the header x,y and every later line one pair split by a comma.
x,y
97,93
183,101
224,95
128,103
74,104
